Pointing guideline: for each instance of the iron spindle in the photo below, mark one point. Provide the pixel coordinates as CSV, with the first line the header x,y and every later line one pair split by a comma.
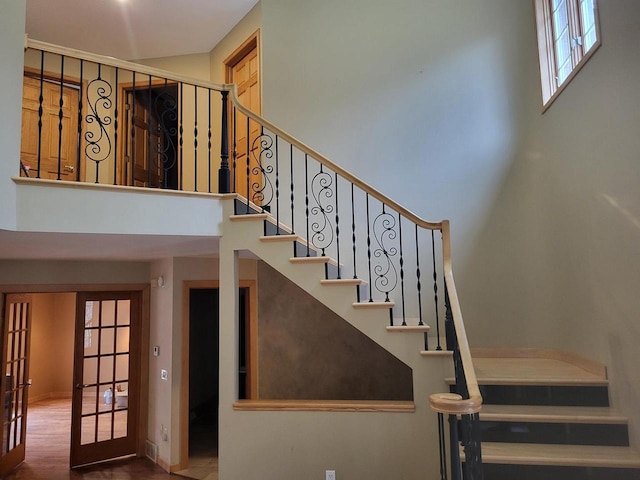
x,y
321,226
291,187
80,93
60,117
404,316
181,134
133,130
443,447
223,173
337,230
435,287
115,133
419,286
150,161
386,275
40,111
369,251
454,447
306,198
195,138
277,191
353,237
248,162
209,141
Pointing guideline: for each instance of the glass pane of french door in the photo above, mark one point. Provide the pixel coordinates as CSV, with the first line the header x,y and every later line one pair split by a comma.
x,y
15,345
105,400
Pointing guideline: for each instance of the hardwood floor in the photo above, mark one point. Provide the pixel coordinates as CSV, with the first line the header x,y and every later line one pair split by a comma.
x,y
47,451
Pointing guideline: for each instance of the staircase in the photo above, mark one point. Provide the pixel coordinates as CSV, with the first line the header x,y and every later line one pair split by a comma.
x,y
546,417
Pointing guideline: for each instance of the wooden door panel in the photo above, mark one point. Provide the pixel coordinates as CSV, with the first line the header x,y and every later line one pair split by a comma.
x,y
106,376
15,381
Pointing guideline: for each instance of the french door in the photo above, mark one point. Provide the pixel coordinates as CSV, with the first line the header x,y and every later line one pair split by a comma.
x,y
106,396
15,382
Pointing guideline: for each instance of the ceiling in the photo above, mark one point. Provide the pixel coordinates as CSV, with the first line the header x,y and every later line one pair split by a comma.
x,y
135,29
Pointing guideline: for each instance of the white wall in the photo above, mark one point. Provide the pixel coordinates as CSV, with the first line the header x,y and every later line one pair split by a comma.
x,y
12,24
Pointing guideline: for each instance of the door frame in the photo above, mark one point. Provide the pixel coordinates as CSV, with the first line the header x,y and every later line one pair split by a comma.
x,y
145,289
252,351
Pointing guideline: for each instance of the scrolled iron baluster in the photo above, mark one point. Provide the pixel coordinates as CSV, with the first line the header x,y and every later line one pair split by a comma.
x,y
322,192
262,189
386,274
166,107
98,147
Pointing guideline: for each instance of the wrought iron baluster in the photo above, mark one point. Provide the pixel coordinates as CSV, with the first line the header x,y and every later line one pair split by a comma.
x,y
306,198
418,284
223,172
337,229
248,162
435,288
80,93
133,130
262,189
181,134
277,191
195,138
404,315
369,251
443,447
209,142
151,163
386,273
454,448
321,225
115,132
98,143
353,237
40,112
292,189
165,152
235,151
60,117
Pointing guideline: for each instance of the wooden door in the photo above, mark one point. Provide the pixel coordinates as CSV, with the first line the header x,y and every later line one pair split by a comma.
x,y
243,68
105,406
144,143
15,381
56,147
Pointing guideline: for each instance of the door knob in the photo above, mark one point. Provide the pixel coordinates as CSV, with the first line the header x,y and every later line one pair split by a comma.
x,y
80,386
70,168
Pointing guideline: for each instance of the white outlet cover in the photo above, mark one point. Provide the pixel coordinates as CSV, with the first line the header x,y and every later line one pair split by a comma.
x,y
164,375
330,475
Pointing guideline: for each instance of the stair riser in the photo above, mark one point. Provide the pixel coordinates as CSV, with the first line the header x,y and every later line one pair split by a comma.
x,y
555,433
586,396
539,472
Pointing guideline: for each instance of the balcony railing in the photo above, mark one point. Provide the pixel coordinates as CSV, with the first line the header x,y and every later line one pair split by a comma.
x,y
88,118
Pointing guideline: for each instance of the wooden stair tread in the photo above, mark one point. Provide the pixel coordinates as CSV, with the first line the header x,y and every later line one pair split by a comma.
x,y
249,217
437,353
560,455
319,259
533,371
551,414
281,238
343,281
373,305
408,328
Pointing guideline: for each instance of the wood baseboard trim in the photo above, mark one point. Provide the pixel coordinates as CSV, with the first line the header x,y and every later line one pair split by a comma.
x,y
326,406
163,465
526,352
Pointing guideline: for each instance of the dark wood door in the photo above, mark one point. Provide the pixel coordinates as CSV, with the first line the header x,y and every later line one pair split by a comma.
x,y
106,404
15,382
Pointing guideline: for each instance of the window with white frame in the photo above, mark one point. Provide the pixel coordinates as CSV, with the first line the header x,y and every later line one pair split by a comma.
x,y
568,34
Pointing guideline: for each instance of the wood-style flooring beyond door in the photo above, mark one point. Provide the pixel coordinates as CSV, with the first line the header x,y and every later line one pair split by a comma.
x,y
48,443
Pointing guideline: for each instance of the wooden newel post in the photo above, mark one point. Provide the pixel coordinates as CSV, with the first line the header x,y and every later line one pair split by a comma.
x,y
224,177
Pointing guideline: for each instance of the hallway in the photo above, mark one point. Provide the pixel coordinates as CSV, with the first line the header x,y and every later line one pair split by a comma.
x,y
47,451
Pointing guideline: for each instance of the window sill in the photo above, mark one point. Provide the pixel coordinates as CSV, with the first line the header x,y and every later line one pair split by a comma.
x,y
326,406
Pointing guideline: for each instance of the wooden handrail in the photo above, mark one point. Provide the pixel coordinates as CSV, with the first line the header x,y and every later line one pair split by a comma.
x,y
334,167
445,403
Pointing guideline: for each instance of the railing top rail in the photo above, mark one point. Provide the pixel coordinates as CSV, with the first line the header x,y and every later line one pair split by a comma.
x,y
408,214
122,64
444,402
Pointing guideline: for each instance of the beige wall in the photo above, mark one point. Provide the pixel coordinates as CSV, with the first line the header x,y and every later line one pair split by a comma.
x,y
52,340
11,58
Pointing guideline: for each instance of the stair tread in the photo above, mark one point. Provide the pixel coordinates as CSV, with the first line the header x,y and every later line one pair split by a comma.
x,y
436,353
281,238
343,281
551,414
319,259
560,455
373,305
408,328
533,371
249,217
